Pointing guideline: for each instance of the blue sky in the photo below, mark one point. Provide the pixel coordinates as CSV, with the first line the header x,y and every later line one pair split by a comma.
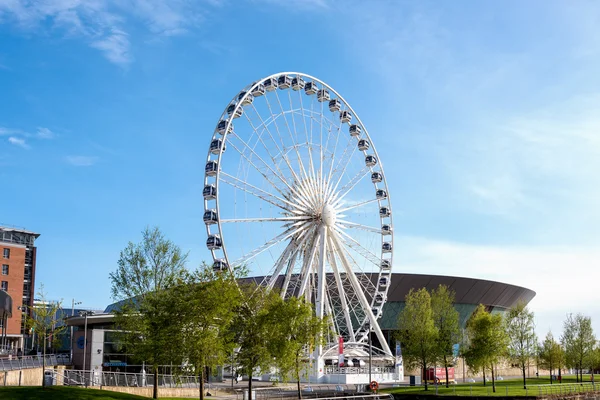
x,y
485,116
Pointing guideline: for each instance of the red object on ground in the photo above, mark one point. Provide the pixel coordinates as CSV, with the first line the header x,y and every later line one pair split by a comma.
x,y
439,374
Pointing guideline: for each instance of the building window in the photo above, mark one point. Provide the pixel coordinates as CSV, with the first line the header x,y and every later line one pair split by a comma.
x,y
4,286
6,253
4,269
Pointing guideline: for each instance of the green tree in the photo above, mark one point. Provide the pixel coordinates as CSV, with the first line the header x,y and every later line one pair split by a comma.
x,y
445,319
521,333
488,341
297,330
578,340
43,321
417,331
252,330
207,301
145,275
551,354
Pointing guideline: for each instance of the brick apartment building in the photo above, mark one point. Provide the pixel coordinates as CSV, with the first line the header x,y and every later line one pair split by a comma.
x,y
17,278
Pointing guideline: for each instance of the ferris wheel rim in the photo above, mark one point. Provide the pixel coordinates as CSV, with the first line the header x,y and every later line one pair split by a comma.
x,y
238,101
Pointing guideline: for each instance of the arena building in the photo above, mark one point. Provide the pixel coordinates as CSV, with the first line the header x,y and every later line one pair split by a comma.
x,y
104,354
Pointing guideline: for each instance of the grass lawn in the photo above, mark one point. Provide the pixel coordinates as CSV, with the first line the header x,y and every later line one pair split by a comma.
x,y
510,387
61,393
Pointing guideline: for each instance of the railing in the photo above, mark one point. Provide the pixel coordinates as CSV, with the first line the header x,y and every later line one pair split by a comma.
x,y
566,388
126,379
24,362
359,370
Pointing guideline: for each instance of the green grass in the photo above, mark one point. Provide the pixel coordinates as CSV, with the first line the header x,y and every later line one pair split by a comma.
x,y
510,387
62,393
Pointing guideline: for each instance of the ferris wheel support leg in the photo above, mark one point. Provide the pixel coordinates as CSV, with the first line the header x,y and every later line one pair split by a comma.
x,y
361,295
320,304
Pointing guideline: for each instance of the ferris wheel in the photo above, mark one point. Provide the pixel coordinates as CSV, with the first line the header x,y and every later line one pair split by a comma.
x,y
295,191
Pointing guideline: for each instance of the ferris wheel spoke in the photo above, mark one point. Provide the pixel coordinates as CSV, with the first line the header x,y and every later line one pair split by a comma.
x,y
341,292
280,150
274,219
356,205
277,239
259,138
361,297
350,185
270,279
320,306
289,129
288,274
359,248
342,164
253,190
281,178
305,273
359,226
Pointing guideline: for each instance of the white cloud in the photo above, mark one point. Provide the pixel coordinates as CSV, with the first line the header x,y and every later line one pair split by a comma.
x,y
564,278
18,142
44,133
9,131
115,47
81,161
102,23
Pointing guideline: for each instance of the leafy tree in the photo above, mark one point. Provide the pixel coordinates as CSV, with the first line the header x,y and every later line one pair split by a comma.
x,y
488,341
43,322
207,302
551,354
445,319
146,273
578,340
252,330
417,331
521,333
297,330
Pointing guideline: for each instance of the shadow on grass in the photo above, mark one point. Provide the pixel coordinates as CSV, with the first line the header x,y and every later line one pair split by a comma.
x,y
62,393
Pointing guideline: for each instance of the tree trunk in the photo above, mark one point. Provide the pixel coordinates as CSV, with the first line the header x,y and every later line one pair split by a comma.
x,y
155,385
493,380
201,376
425,374
250,385
44,364
559,374
551,376
524,380
446,366
581,372
484,381
298,375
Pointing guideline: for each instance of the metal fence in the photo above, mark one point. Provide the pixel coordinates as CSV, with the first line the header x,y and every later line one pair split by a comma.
x,y
24,362
126,379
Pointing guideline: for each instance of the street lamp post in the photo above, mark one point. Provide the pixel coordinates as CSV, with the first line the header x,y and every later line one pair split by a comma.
x,y
23,309
73,303
85,315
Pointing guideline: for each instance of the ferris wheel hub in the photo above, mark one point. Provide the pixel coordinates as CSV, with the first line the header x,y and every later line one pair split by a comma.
x,y
328,215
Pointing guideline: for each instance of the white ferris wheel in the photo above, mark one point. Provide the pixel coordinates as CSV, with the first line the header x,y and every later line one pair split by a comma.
x,y
295,190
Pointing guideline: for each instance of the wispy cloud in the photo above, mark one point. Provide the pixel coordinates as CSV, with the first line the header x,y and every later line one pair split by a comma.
x,y
9,131
81,161
115,47
298,4
18,142
45,133
102,23
18,136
